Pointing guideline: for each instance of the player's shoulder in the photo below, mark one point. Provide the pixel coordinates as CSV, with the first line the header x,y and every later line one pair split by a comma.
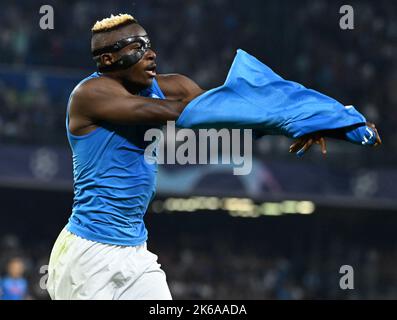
x,y
172,79
95,85
96,88
176,85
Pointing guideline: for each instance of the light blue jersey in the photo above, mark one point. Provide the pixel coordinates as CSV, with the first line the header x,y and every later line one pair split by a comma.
x,y
113,184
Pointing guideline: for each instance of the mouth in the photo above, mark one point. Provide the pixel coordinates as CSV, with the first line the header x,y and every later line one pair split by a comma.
x,y
151,70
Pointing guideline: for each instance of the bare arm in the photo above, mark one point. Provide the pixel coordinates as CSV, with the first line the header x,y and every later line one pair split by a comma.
x,y
178,87
106,100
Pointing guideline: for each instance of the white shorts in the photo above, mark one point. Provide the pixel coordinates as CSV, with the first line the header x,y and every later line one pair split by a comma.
x,y
80,269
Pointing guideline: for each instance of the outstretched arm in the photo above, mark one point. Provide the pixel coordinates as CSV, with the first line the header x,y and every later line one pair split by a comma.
x,y
104,99
253,96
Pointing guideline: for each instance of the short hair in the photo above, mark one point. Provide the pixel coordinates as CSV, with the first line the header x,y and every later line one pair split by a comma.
x,y
112,23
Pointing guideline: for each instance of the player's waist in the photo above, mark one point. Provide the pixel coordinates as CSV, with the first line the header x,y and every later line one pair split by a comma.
x,y
108,230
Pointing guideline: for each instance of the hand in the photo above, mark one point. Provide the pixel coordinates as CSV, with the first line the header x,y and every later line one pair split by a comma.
x,y
378,139
302,144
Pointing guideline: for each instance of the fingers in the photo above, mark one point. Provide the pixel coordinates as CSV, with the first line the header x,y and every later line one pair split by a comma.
x,y
378,139
323,145
303,144
308,144
297,145
306,147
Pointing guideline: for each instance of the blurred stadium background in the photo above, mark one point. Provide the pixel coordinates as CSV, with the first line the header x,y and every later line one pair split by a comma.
x,y
282,232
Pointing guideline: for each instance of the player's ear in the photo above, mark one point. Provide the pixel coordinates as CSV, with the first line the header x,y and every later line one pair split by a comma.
x,y
107,59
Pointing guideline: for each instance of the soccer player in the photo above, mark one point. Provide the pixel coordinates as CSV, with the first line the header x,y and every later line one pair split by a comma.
x,y
102,253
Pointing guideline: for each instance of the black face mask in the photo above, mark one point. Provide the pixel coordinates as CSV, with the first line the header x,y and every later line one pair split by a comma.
x,y
126,60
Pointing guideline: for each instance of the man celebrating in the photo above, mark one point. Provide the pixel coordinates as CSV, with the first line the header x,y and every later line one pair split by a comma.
x,y
101,253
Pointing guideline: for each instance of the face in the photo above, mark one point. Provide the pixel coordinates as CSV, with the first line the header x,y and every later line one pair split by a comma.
x,y
141,74
15,268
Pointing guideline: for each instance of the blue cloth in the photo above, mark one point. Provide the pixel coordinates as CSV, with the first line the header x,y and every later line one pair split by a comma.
x,y
113,184
362,135
253,96
13,289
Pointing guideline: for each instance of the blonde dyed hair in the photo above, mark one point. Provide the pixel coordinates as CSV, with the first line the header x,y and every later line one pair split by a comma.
x,y
113,22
